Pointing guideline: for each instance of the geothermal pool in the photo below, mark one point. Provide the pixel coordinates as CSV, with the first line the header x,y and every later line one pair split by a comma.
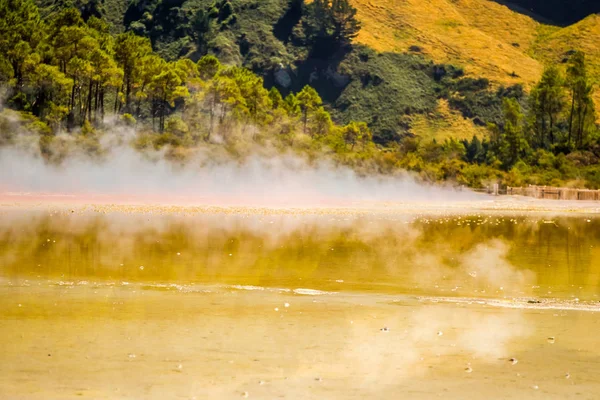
x,y
124,302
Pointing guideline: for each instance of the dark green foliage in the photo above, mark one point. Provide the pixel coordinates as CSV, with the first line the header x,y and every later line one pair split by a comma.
x,y
382,90
474,99
292,16
225,11
547,101
328,26
475,150
87,8
511,146
582,118
171,25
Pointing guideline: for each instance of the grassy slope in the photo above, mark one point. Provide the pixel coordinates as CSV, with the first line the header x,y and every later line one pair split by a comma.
x,y
445,123
584,35
486,38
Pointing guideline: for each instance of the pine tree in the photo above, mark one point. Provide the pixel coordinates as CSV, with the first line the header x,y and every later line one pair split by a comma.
x,y
512,141
547,102
356,132
129,49
582,113
330,25
309,101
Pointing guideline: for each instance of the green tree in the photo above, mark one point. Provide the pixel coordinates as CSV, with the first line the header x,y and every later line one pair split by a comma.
x,y
223,94
322,122
475,152
345,24
309,101
52,88
208,66
582,113
276,99
149,67
167,87
330,25
547,103
129,49
201,29
21,30
513,145
292,105
356,132
256,102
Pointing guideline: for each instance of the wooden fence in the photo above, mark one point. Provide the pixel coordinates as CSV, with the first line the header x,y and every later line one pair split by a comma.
x,y
554,193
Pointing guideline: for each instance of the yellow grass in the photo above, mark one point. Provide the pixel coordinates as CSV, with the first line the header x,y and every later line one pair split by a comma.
x,y
445,124
485,38
584,35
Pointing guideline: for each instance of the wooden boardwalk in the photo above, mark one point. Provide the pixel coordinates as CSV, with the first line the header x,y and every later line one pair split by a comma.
x,y
554,193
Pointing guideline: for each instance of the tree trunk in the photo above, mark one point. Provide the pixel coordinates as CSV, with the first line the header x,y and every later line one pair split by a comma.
x,y
139,103
153,111
102,106
571,118
162,114
212,117
89,100
579,130
72,101
305,120
582,125
82,107
543,123
96,102
116,100
551,128
127,93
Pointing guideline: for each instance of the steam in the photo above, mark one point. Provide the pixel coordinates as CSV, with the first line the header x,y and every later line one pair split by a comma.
x,y
483,269
430,337
265,177
487,264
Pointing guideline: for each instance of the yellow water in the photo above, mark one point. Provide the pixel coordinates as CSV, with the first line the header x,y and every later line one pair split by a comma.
x,y
149,305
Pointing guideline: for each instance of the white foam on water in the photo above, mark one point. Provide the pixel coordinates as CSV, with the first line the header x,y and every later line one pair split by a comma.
x,y
245,287
311,292
545,304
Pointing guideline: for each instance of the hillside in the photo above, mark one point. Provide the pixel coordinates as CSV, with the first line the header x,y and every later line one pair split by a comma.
x,y
478,34
562,12
484,37
449,89
487,38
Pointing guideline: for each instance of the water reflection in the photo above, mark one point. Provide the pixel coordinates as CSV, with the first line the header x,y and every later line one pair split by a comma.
x,y
223,305
480,255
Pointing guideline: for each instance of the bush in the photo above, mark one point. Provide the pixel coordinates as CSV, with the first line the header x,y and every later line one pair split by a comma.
x,y
128,119
176,126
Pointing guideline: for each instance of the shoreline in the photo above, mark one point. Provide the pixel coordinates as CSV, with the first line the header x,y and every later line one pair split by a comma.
x,y
207,205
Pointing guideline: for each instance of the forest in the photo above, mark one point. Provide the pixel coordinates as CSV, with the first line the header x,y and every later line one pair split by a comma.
x,y
69,78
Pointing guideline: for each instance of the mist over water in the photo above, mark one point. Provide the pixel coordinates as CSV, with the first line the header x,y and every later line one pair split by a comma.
x,y
222,302
265,178
471,257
